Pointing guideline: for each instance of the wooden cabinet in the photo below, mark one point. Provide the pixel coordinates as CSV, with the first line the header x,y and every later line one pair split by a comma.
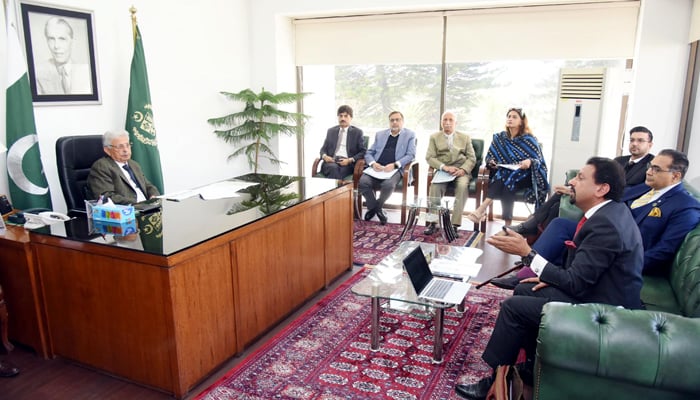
x,y
168,321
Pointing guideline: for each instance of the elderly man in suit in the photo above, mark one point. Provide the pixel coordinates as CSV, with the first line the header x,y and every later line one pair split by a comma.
x,y
392,149
603,265
452,152
344,145
118,177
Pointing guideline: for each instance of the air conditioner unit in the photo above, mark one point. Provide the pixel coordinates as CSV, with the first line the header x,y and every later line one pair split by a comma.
x,y
588,118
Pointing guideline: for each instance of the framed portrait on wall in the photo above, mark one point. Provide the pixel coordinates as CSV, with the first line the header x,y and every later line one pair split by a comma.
x,y
61,56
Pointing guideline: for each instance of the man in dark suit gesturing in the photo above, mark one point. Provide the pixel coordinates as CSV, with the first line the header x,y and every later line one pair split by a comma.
x,y
344,145
603,265
118,177
635,166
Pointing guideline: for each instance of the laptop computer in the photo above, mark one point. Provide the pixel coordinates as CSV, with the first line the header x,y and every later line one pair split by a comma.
x,y
429,287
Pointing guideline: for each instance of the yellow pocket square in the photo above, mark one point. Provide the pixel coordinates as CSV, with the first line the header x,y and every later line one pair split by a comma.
x,y
655,212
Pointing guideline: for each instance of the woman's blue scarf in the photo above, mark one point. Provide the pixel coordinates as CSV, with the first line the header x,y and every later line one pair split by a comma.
x,y
505,150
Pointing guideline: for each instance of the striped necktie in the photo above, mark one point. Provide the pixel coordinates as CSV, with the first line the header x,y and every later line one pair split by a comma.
x,y
643,200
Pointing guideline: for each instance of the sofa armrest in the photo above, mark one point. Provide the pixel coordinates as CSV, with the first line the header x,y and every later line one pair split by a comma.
x,y
655,350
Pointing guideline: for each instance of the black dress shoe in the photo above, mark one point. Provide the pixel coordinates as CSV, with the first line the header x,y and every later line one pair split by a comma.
x,y
369,215
7,370
382,217
477,390
430,229
507,282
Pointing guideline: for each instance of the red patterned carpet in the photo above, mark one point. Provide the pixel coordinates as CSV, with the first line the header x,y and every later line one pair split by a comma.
x,y
325,353
373,241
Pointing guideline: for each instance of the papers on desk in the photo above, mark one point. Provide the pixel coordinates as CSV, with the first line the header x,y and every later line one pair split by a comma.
x,y
217,190
454,269
509,166
442,177
379,174
177,196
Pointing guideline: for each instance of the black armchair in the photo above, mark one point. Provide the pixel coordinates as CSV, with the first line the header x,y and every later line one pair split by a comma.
x,y
74,156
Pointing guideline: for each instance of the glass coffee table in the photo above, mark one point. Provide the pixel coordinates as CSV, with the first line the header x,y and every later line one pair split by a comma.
x,y
388,283
437,211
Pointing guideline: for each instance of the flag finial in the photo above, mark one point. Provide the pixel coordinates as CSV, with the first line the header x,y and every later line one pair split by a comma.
x,y
132,10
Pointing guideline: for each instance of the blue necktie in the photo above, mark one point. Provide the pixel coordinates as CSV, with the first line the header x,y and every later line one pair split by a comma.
x,y
133,177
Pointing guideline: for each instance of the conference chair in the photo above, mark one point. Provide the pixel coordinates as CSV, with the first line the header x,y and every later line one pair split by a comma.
x,y
409,178
74,157
475,183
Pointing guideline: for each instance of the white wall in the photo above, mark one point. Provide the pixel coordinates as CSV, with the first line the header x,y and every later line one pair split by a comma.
x,y
193,50
660,64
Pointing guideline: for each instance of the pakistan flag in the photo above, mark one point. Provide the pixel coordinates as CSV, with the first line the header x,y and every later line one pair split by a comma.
x,y
139,117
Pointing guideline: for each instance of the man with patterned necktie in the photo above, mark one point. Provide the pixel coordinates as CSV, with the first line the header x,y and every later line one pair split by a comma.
x,y
60,75
118,177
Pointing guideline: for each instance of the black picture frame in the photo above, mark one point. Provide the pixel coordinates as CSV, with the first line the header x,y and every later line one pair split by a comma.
x,y
69,31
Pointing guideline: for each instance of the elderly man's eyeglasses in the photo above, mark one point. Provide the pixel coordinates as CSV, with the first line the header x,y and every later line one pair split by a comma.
x,y
394,119
122,146
655,169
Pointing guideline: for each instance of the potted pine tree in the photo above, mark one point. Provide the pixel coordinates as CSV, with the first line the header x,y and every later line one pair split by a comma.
x,y
259,122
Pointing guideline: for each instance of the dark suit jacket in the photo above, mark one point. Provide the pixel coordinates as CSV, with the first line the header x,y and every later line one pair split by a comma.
x,y
663,224
355,142
606,264
637,173
107,179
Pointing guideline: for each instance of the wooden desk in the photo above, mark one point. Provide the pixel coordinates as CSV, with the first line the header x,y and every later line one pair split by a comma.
x,y
168,320
20,282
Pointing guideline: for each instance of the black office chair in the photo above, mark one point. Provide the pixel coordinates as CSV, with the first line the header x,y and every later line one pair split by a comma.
x,y
74,157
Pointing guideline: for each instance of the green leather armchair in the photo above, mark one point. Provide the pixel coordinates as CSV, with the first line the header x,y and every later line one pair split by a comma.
x,y
597,351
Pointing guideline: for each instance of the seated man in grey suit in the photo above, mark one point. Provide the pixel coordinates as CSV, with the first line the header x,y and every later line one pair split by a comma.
x,y
344,145
116,176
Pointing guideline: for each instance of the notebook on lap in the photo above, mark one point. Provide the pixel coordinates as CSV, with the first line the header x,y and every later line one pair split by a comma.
x,y
429,287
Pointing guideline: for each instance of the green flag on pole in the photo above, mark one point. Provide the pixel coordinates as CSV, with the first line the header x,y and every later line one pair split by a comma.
x,y
139,116
28,186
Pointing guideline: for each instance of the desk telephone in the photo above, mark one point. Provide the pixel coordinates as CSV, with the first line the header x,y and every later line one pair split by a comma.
x,y
43,215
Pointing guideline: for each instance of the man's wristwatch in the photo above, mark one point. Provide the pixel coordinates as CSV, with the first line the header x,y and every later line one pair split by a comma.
x,y
527,260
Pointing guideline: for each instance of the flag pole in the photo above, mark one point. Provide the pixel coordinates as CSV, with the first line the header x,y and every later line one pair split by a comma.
x,y
133,10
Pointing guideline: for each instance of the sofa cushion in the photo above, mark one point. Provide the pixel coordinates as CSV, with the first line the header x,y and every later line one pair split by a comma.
x,y
657,295
685,275
653,350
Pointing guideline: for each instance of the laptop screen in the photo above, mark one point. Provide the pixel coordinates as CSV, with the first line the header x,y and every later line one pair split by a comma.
x,y
418,270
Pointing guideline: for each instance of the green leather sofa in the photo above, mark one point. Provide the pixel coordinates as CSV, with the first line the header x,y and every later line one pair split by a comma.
x,y
597,351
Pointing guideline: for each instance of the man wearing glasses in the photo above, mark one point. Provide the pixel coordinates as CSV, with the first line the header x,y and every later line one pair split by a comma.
x,y
118,177
641,140
661,207
392,149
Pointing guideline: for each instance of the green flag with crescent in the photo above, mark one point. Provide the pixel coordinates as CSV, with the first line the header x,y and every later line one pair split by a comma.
x,y
28,186
139,117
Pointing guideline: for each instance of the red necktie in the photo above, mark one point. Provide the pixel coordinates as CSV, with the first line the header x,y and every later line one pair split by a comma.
x,y
580,224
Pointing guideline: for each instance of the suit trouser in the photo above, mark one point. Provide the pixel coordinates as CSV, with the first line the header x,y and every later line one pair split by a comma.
x,y
369,184
461,185
518,324
336,171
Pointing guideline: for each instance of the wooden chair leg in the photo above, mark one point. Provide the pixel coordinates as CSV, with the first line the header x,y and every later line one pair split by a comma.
x,y
3,323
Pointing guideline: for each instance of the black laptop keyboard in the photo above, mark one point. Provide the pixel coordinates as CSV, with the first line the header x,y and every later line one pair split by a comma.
x,y
438,289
